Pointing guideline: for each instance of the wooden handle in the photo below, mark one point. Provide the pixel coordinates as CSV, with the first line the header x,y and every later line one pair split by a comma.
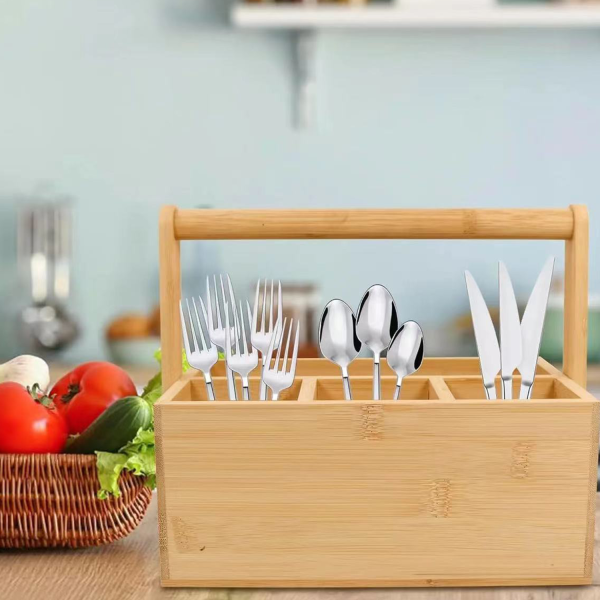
x,y
524,224
569,224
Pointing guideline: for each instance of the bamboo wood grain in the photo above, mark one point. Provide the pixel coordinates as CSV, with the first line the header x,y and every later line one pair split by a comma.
x,y
528,224
133,564
300,493
576,298
170,294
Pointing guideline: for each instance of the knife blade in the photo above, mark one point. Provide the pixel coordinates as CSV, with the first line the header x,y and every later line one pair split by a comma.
x,y
532,327
510,331
485,336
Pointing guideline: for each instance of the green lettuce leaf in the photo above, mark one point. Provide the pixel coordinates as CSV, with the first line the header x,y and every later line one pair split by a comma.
x,y
137,456
153,390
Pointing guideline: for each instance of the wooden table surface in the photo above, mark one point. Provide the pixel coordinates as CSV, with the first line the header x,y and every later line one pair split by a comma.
x,y
129,569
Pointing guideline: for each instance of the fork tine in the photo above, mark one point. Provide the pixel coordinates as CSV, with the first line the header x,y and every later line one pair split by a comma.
x,y
209,320
236,332
230,288
210,345
287,347
186,343
264,309
244,338
202,339
295,353
274,337
249,317
227,334
196,349
276,366
255,314
217,303
199,325
271,307
279,302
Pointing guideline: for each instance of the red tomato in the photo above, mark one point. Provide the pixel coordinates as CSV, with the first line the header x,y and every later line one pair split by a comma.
x,y
86,392
29,424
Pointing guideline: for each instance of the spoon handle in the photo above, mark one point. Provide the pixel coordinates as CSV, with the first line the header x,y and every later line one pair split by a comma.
x,y
398,388
346,380
347,390
376,379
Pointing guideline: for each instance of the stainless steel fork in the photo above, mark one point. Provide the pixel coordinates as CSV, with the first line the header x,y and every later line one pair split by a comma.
x,y
261,338
281,379
204,357
241,356
216,327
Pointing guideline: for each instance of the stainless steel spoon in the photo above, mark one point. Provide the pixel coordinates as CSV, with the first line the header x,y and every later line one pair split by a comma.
x,y
405,353
337,338
376,323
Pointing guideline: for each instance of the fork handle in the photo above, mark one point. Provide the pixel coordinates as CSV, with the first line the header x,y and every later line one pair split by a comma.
x,y
275,396
231,385
210,390
245,388
263,385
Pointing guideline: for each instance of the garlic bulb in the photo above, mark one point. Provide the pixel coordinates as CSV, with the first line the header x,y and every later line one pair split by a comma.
x,y
26,370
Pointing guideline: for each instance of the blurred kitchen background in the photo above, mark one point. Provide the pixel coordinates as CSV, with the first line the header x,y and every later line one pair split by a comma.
x,y
110,109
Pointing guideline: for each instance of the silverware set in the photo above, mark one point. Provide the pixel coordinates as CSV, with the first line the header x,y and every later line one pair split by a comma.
x,y
342,334
519,339
241,335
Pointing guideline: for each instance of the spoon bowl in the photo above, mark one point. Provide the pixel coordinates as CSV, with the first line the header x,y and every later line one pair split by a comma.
x,y
405,353
337,338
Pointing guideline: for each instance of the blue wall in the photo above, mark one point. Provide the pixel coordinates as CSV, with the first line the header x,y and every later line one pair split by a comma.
x,y
129,105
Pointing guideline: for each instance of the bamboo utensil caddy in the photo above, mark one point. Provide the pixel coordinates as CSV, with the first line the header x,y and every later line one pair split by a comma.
x,y
442,488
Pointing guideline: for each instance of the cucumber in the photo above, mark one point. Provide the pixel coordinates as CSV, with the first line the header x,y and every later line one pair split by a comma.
x,y
116,426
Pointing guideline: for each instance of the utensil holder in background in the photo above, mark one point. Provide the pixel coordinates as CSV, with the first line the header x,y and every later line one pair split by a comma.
x,y
442,488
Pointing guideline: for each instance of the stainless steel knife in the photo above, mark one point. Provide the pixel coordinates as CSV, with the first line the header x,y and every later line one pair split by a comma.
x,y
510,331
485,336
532,326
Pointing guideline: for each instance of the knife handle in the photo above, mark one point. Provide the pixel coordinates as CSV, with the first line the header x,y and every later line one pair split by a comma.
x,y
507,388
526,391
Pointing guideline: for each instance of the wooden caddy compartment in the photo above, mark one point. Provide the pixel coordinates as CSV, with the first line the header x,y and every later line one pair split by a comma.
x,y
442,488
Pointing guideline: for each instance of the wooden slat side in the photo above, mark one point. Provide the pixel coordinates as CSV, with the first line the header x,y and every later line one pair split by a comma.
x,y
439,390
576,298
396,583
550,224
308,390
445,493
594,443
181,390
161,493
170,293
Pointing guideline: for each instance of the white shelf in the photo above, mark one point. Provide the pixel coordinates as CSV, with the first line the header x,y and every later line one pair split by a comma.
x,y
304,21
269,16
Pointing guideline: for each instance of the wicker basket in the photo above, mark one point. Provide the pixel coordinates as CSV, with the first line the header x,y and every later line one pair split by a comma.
x,y
49,501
